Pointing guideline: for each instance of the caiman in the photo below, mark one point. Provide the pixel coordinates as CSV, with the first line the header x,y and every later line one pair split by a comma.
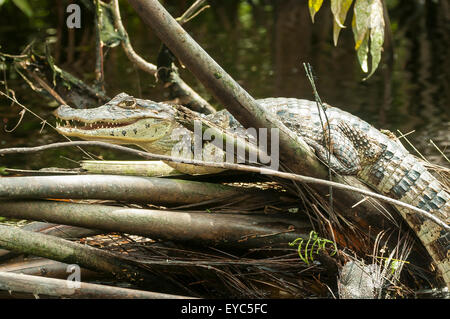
x,y
357,148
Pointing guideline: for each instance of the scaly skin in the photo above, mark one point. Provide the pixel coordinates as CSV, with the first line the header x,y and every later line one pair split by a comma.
x,y
357,148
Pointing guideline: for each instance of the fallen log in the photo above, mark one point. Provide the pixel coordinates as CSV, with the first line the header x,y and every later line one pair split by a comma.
x,y
62,231
201,228
62,288
37,244
47,268
157,191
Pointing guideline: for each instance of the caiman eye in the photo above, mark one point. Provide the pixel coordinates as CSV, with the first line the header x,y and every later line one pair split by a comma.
x,y
127,104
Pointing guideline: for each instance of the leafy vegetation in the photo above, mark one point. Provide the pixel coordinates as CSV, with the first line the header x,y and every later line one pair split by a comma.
x,y
367,24
306,255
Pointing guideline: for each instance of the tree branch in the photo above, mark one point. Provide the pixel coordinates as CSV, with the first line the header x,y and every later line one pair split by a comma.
x,y
237,230
158,191
22,241
180,87
225,165
37,285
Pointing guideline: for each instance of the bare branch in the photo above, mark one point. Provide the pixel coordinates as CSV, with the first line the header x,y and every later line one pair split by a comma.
x,y
158,191
225,165
38,285
202,228
181,88
126,44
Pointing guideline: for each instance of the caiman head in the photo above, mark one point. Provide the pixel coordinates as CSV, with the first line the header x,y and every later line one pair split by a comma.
x,y
123,120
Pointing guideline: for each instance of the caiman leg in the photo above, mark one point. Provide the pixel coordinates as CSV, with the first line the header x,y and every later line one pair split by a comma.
x,y
333,161
343,158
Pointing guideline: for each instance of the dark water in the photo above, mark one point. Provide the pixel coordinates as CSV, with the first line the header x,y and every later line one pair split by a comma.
x,y
263,47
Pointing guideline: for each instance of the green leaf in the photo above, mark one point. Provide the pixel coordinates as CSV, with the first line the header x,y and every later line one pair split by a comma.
x,y
368,26
314,6
363,52
24,6
360,21
376,34
339,8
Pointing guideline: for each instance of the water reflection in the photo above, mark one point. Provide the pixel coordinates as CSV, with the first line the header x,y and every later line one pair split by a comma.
x,y
263,44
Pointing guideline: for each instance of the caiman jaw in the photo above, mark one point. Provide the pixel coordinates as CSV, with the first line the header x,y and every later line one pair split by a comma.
x,y
137,131
80,125
123,120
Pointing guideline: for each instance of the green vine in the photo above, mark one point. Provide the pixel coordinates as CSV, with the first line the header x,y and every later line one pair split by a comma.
x,y
316,241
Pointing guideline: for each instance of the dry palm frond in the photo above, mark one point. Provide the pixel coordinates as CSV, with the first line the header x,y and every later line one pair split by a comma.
x,y
213,273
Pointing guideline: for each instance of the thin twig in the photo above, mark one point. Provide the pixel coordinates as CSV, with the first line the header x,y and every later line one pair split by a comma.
x,y
321,107
225,165
126,45
99,75
47,87
439,150
410,144
192,12
152,69
14,99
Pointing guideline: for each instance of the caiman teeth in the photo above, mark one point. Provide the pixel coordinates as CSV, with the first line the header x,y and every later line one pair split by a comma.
x,y
76,124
